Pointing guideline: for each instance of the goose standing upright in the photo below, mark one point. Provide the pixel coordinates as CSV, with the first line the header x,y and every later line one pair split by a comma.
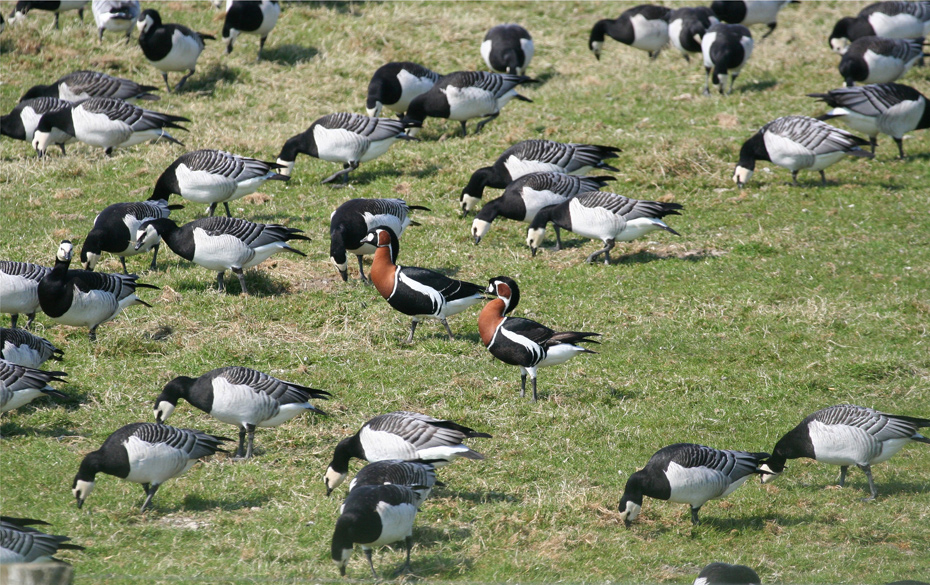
x,y
394,85
82,85
23,348
20,543
507,48
643,27
254,17
169,47
687,27
726,49
891,20
54,6
747,12
115,230
20,385
21,123
19,289
879,60
115,15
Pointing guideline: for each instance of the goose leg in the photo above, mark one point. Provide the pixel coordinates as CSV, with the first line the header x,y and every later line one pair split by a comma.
x,y
238,272
251,433
605,250
408,544
482,122
771,30
610,246
30,317
873,142
261,47
842,479
220,286
122,260
62,147
367,552
558,238
56,21
794,178
464,131
361,269
93,332
211,209
154,256
867,469
344,173
184,79
226,205
413,327
694,515
240,450
13,318
823,179
900,144
150,493
448,330
168,85
533,379
707,81
523,384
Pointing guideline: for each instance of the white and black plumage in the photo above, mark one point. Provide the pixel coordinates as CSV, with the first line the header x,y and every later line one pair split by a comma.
x,y
878,60
254,17
524,197
20,385
727,574
81,85
375,515
222,243
507,48
394,85
23,348
687,26
887,108
846,435
643,27
418,292
747,12
344,138
115,230
522,342
145,453
463,96
536,156
21,123
418,474
409,436
169,47
105,123
351,222
19,289
54,6
797,143
115,15
686,473
20,543
726,49
606,216
215,176
891,20
242,397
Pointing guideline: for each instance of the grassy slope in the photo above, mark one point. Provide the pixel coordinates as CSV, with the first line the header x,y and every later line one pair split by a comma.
x,y
776,301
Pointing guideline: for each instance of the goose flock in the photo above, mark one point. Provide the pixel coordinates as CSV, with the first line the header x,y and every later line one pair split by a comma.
x,y
544,182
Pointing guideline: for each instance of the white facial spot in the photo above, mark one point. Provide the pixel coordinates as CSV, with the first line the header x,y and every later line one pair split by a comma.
x,y
375,111
839,45
596,48
163,411
288,167
534,237
631,513
333,479
412,132
468,202
82,490
741,176
479,228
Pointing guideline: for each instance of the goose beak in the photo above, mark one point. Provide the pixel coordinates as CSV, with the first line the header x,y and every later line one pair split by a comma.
x,y
533,250
477,240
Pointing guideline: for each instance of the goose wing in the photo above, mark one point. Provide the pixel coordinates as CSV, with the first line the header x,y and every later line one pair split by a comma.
x,y
97,84
417,429
16,377
733,464
24,270
232,166
374,129
195,444
813,135
283,392
495,83
920,10
878,424
869,100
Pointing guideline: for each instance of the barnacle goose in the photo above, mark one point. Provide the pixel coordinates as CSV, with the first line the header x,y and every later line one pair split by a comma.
x,y
254,17
727,574
878,60
522,342
21,123
19,289
891,20
687,26
418,292
410,436
221,243
747,12
394,85
81,85
54,6
239,396
169,47
686,473
643,27
398,472
105,123
146,453
888,108
215,176
536,156
23,348
20,385
463,96
726,48
344,138
115,15
115,230
20,543
507,48
350,223
606,216
797,143
846,435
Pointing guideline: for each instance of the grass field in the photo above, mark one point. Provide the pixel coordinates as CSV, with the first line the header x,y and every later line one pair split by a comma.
x,y
776,301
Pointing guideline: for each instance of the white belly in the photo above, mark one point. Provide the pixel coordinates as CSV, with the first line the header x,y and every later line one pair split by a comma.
x,y
90,309
396,521
650,35
98,129
204,187
899,26
339,145
883,69
156,463
470,102
220,252
183,55
697,485
18,295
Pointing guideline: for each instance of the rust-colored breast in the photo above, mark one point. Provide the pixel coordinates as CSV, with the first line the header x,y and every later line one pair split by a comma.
x,y
382,272
491,315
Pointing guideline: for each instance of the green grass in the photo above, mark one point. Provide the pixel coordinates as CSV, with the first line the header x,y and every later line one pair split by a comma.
x,y
775,302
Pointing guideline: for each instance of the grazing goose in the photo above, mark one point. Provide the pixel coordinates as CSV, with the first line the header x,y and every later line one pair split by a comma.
x,y
145,453
643,27
105,123
82,85
507,48
413,291
727,574
54,6
115,15
605,216
797,143
686,473
351,222
878,60
536,156
21,385
522,342
394,85
888,108
82,298
409,436
20,543
239,396
344,138
215,176
846,435
891,20
524,197
115,230
375,515
687,26
463,96
398,472
726,48
23,348
169,47
21,123
747,12
19,289
222,243
255,17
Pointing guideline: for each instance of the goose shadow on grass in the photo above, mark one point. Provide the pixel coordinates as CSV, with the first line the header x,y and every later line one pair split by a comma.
x,y
710,525
195,502
259,284
757,86
364,176
9,429
474,497
204,82
288,54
